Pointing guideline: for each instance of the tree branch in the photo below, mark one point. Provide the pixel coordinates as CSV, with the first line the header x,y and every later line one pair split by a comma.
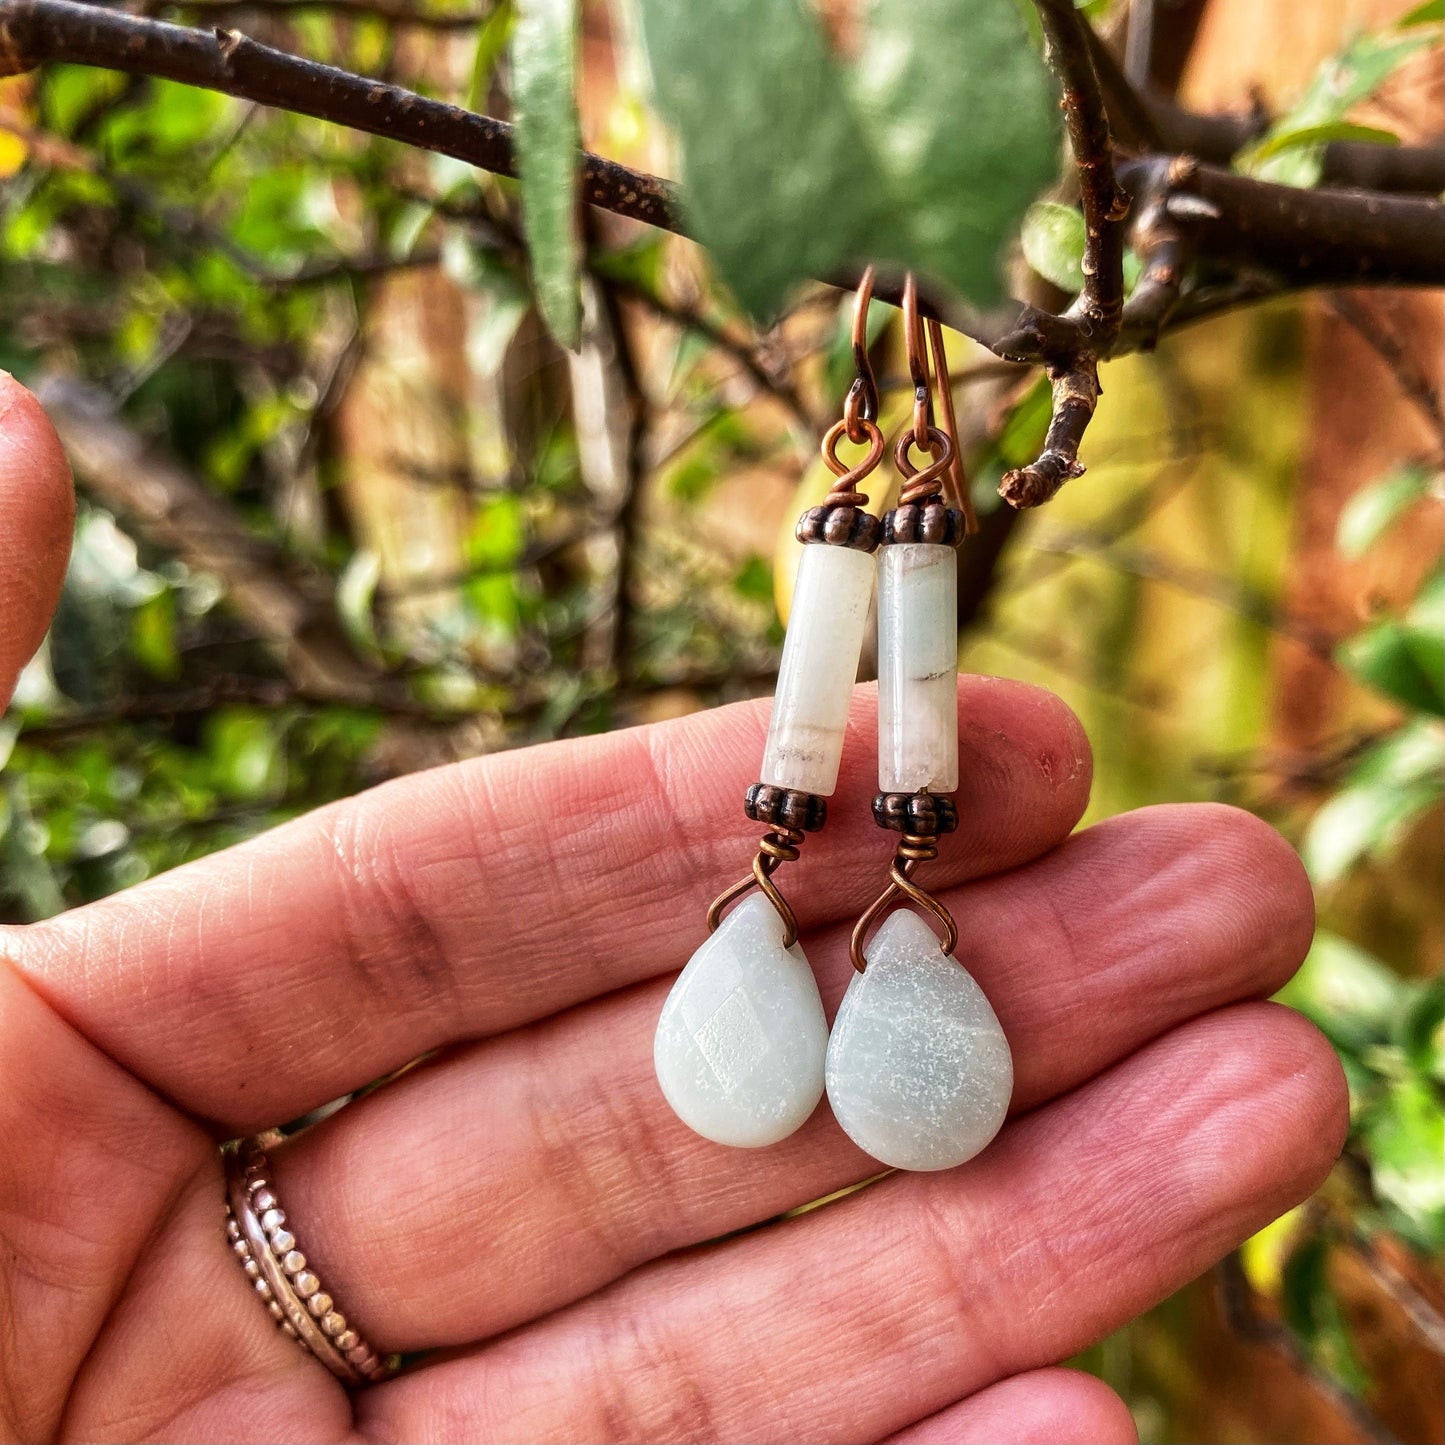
x,y
1105,205
1306,238
1418,170
384,10
1275,238
1076,393
294,613
33,32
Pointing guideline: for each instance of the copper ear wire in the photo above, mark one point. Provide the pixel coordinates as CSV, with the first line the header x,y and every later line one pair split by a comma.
x,y
860,411
955,482
861,403
927,369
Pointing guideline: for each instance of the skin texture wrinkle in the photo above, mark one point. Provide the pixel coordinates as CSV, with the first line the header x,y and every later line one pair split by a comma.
x,y
526,1200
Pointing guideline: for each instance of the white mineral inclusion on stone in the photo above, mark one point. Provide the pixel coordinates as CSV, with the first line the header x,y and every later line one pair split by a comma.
x,y
740,1044
919,1071
818,670
917,668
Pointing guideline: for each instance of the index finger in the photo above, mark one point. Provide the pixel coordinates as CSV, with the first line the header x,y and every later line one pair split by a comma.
x,y
37,516
262,982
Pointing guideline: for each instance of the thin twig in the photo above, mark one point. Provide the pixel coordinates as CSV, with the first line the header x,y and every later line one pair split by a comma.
x,y
1075,393
1383,340
1242,1317
1277,238
1105,203
1162,243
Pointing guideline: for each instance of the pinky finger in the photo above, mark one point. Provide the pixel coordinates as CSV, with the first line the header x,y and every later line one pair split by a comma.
x,y
1040,1407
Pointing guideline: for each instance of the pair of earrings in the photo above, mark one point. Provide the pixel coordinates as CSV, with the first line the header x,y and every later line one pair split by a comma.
x,y
917,1068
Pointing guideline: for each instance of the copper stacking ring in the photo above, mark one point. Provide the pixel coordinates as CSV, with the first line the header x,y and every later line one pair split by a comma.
x,y
262,1241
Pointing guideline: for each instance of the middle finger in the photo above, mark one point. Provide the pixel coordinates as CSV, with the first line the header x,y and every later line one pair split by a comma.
x,y
527,1171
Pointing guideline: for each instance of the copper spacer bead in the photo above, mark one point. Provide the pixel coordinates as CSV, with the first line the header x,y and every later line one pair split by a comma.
x,y
931,521
839,525
785,807
924,814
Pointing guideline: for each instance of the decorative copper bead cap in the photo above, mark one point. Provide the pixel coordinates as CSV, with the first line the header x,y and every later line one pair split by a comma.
x,y
931,521
839,525
785,807
925,815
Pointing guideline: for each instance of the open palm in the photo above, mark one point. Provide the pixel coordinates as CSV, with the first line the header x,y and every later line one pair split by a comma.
x,y
525,1203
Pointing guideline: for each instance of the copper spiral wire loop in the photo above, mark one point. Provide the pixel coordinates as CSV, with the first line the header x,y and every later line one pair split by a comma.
x,y
913,849
844,492
923,484
861,403
780,845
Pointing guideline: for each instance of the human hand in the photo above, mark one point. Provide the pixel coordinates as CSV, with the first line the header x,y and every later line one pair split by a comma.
x,y
525,1201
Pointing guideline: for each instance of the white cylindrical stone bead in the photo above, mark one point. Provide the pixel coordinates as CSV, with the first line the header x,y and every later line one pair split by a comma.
x,y
917,668
819,667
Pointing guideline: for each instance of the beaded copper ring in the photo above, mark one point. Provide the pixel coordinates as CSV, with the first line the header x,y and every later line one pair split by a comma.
x,y
257,1230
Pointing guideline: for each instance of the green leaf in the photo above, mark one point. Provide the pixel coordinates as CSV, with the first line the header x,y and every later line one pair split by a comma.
x,y
779,179
1432,12
1370,512
1023,433
1339,84
246,747
1397,658
356,597
754,579
153,635
963,121
1312,135
1053,239
1420,1028
544,67
1347,993
1425,631
492,40
1393,783
1405,1139
1313,1313
26,874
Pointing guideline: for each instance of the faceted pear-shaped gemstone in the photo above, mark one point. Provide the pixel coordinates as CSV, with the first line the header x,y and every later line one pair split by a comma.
x,y
919,1071
741,1041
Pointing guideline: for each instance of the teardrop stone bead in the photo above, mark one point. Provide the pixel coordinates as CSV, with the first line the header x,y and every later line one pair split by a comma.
x,y
919,1072
741,1041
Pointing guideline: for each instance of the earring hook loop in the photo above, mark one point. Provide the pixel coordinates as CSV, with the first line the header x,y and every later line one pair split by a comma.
x,y
861,404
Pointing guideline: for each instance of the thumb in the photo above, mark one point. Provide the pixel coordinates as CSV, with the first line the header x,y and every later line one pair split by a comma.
x,y
37,518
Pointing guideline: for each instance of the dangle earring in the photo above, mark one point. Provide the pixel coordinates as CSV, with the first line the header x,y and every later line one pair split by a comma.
x,y
919,1072
740,1046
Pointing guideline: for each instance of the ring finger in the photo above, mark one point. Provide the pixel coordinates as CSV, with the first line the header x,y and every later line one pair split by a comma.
x,y
518,1174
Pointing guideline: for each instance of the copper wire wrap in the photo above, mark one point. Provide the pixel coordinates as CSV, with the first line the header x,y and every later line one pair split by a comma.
x,y
926,483
913,849
779,845
844,492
